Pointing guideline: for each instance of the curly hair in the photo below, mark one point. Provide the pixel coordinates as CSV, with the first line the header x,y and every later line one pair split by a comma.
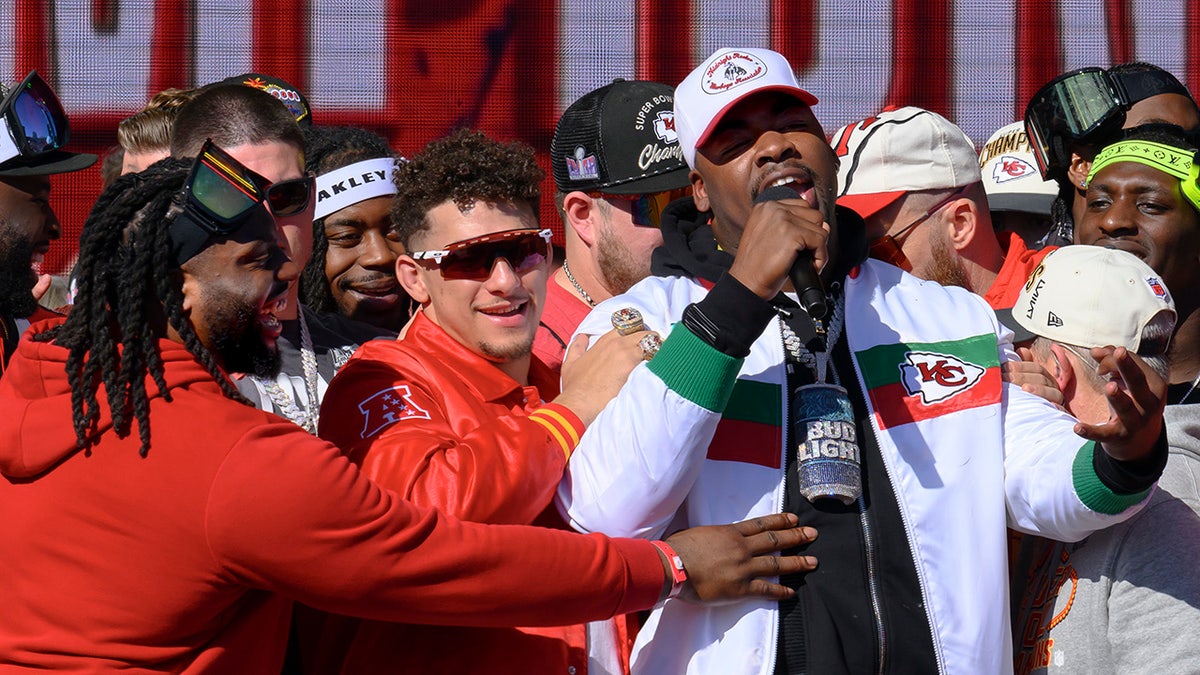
x,y
464,167
112,332
331,148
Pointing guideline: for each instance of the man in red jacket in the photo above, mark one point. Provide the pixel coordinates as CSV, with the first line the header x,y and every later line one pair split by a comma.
x,y
472,433
181,548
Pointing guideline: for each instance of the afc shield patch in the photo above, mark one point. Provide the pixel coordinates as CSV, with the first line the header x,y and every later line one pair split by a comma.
x,y
388,406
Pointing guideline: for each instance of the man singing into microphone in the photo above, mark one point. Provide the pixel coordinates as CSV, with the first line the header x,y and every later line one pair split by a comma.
x,y
881,421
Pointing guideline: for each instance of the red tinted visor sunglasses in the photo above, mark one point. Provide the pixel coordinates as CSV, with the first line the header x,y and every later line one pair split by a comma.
x,y
474,258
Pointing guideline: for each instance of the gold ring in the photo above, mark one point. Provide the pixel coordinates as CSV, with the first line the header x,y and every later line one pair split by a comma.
x,y
627,320
650,344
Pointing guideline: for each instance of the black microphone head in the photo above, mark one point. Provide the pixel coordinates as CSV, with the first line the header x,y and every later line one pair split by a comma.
x,y
776,193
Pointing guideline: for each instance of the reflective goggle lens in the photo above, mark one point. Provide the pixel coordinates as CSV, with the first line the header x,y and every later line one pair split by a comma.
x,y
1068,109
37,121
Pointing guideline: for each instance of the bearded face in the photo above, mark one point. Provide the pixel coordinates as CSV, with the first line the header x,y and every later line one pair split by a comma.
x,y
16,274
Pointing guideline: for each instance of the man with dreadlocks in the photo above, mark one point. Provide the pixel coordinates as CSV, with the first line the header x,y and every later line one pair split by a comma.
x,y
262,133
182,549
352,270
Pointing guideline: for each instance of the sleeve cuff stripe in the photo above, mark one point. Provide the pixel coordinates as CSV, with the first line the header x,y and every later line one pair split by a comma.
x,y
554,432
1092,491
695,370
567,422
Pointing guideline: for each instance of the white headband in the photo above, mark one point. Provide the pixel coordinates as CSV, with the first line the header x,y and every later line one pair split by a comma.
x,y
352,184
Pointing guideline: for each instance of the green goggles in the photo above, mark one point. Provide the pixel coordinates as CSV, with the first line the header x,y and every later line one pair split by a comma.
x,y
222,194
1087,107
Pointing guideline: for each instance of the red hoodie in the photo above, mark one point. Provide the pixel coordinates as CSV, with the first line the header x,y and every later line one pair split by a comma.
x,y
188,560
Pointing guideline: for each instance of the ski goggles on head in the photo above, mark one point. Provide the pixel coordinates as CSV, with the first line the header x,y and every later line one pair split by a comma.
x,y
1072,108
646,209
474,258
32,120
221,194
1088,106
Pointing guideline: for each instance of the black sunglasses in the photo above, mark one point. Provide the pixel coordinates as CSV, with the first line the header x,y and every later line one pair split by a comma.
x,y
474,258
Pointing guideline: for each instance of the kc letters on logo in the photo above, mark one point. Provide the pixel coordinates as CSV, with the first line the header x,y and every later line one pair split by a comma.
x,y
388,406
937,377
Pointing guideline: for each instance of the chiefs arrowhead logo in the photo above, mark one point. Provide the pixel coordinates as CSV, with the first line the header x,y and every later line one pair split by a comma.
x,y
388,406
664,126
937,377
1011,168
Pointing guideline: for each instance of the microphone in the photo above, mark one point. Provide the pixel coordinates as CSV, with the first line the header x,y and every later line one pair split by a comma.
x,y
803,273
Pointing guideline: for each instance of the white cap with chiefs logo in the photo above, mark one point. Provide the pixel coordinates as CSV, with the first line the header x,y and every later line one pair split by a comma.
x,y
726,77
1090,296
898,151
1010,174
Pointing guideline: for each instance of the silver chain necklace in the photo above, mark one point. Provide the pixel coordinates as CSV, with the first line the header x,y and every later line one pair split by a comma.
x,y
310,414
1192,388
571,278
817,363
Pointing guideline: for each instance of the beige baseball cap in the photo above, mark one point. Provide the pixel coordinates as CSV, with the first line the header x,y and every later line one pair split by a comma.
x,y
1091,296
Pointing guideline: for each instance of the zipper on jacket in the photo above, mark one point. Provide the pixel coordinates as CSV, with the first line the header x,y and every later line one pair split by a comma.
x,y
872,573
786,432
938,653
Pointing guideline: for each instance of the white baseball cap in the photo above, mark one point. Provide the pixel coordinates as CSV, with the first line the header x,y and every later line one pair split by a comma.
x,y
1091,296
1010,174
715,86
899,151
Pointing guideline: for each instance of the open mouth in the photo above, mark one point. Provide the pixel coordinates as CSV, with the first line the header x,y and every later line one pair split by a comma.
x,y
506,311
376,289
38,256
268,320
801,185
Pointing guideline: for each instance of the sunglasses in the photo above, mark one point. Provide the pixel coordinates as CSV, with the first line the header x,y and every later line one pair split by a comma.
x,y
221,194
474,258
32,118
646,209
889,247
222,190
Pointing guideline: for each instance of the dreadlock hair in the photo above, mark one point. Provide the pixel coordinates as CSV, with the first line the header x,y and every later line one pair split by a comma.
x,y
464,167
112,332
331,148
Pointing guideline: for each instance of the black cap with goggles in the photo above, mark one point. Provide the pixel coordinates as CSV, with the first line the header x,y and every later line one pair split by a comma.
x,y
33,131
1087,106
221,195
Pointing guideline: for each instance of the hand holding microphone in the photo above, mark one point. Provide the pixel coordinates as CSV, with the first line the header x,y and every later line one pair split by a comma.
x,y
803,273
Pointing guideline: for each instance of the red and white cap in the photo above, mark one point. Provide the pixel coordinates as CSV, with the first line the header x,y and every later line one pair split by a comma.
x,y
724,79
898,151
